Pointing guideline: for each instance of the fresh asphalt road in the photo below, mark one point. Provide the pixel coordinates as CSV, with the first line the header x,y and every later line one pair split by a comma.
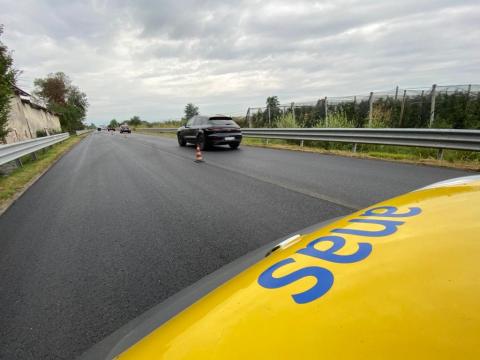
x,y
121,223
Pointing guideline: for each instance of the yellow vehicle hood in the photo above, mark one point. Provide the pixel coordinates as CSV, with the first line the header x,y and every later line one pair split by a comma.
x,y
400,279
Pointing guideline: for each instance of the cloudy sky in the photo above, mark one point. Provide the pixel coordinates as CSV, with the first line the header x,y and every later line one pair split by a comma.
x,y
149,58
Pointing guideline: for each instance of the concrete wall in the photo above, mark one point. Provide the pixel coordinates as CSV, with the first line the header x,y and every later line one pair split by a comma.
x,y
26,118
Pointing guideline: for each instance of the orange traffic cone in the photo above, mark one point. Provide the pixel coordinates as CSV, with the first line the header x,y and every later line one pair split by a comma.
x,y
198,154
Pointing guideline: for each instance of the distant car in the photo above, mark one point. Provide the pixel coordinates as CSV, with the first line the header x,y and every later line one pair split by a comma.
x,y
125,129
210,130
111,128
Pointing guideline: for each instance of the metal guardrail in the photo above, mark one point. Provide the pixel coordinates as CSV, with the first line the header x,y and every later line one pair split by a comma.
x,y
431,138
14,151
80,132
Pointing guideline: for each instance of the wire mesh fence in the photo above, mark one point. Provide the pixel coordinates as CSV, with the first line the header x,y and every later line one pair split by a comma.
x,y
451,106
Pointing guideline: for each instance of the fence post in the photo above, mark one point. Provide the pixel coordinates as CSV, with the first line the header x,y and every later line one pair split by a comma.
x,y
269,120
354,111
326,111
249,118
422,107
396,92
467,98
402,108
433,94
370,108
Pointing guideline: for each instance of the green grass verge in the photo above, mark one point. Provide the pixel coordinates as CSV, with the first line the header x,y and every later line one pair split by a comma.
x,y
19,178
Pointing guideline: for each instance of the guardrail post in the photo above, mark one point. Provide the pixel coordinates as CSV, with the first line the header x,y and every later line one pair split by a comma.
x,y
18,162
440,154
34,156
301,143
354,147
370,108
433,94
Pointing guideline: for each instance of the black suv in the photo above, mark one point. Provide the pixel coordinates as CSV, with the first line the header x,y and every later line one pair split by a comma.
x,y
210,130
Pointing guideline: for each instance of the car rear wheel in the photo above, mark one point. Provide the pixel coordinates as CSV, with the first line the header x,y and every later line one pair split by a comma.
x,y
234,145
181,140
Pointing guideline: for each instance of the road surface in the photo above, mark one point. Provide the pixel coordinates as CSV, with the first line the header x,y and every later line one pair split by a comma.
x,y
120,223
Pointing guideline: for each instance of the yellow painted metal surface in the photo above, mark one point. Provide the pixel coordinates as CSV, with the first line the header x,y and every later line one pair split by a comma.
x,y
414,293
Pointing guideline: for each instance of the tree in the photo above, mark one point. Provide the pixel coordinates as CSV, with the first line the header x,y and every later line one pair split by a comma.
x,y
134,121
113,124
273,110
78,99
53,90
190,111
61,97
8,77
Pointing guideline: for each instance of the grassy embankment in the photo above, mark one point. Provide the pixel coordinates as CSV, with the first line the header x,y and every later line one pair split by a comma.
x,y
20,178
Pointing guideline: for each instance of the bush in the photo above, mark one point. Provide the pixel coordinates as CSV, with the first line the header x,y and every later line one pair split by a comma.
x,y
41,133
286,121
338,119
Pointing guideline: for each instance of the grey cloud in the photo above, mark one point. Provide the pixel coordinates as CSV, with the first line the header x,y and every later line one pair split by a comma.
x,y
151,57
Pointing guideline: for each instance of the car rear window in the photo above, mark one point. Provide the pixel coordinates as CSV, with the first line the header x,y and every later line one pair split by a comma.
x,y
221,121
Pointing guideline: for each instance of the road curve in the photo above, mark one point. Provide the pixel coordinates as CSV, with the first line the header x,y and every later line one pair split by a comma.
x,y
121,223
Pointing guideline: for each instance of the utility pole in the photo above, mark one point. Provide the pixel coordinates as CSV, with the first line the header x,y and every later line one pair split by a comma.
x,y
370,109
433,94
293,111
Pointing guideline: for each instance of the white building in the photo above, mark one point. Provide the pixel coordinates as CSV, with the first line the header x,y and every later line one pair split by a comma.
x,y
26,118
